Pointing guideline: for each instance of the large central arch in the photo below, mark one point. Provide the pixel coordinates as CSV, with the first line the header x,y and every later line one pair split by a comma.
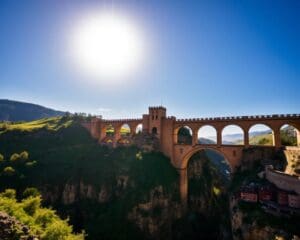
x,y
183,185
198,148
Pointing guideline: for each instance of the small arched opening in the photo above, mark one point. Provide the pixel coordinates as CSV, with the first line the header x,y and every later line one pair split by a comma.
x,y
154,130
289,135
207,135
139,129
185,135
261,135
109,131
232,135
125,130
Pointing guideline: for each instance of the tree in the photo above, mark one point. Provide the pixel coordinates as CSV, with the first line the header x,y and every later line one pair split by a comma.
x,y
40,222
9,193
30,192
9,171
14,157
1,158
263,141
24,155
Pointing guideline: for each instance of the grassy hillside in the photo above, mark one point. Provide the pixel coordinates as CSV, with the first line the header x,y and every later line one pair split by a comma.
x,y
53,124
21,111
265,139
64,153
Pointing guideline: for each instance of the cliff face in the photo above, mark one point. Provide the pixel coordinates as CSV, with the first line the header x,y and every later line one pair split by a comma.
x,y
293,160
242,229
156,212
155,216
254,156
152,212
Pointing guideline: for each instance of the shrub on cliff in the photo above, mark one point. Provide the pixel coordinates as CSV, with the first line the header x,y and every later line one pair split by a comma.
x,y
30,192
9,171
24,155
42,222
14,157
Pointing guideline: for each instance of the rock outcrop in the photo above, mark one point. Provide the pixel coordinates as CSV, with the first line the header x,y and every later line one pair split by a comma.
x,y
11,229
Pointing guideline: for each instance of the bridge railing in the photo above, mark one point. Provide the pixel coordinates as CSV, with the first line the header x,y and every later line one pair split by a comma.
x,y
273,116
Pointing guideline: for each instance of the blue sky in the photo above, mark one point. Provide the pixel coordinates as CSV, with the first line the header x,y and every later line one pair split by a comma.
x,y
205,58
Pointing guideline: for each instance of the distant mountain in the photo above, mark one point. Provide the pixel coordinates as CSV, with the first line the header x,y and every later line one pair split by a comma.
x,y
21,111
232,138
202,140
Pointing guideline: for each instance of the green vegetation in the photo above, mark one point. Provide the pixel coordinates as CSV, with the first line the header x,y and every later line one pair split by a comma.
x,y
264,139
8,171
60,151
42,222
53,124
287,139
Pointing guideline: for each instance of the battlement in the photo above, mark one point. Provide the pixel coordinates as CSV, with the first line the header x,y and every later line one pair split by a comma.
x,y
253,117
124,120
157,108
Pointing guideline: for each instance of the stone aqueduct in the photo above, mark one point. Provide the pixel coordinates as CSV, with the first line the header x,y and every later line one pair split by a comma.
x,y
166,129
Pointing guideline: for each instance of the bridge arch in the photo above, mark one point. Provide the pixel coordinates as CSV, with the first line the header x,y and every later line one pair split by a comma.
x,y
207,134
109,130
125,130
183,171
154,130
233,134
289,135
261,134
199,148
184,135
139,128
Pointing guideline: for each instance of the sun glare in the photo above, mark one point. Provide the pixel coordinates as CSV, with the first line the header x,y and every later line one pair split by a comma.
x,y
107,45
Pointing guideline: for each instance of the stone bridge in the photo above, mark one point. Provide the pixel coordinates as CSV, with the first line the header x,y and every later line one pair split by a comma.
x,y
166,129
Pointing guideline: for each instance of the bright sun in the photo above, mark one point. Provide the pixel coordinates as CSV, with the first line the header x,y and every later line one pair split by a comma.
x,y
107,45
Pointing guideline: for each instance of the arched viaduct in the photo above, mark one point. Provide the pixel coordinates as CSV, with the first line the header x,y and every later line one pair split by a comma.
x,y
166,129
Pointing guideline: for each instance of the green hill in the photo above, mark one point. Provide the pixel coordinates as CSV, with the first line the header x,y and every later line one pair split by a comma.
x,y
264,139
21,111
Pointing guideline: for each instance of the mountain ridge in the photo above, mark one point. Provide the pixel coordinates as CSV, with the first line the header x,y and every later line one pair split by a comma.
x,y
11,110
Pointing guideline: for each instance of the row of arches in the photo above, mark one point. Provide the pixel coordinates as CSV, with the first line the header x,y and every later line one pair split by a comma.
x,y
124,130
258,134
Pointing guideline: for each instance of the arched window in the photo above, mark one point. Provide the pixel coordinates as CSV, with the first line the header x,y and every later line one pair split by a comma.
x,y
261,135
207,135
232,135
289,135
184,135
110,131
125,130
139,129
154,130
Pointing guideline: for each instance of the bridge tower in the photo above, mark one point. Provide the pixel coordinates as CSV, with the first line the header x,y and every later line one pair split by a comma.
x,y
152,122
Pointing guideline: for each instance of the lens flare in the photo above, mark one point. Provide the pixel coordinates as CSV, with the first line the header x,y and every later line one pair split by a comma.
x,y
107,45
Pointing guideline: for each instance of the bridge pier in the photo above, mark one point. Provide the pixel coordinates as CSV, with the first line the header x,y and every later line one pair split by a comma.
x,y
277,138
183,187
219,137
195,138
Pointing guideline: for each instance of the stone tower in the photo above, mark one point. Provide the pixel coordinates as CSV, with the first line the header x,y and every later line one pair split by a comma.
x,y
154,120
